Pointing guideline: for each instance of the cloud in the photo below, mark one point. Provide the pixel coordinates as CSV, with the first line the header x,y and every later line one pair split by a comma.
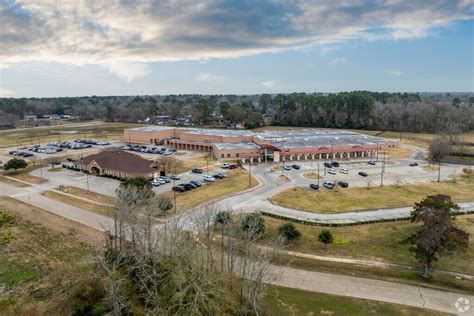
x,y
207,77
125,35
6,93
268,83
339,61
396,73
127,70
325,50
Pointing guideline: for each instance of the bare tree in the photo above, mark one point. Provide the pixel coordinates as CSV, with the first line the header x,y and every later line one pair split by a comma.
x,y
168,163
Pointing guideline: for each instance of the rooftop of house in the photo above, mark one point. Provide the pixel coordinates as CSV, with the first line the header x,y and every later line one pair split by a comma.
x,y
119,160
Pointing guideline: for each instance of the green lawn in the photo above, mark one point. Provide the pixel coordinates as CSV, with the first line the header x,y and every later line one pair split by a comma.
x,y
358,199
42,269
285,301
380,242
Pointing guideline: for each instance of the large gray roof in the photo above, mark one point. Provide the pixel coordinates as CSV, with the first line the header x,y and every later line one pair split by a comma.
x,y
231,146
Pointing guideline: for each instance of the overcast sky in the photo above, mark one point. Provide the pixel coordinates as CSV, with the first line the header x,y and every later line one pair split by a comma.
x,y
112,47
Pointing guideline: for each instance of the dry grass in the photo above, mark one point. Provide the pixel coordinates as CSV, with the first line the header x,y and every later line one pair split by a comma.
x,y
29,178
90,195
45,264
312,175
357,199
195,162
399,152
237,180
282,177
113,131
277,168
96,208
13,182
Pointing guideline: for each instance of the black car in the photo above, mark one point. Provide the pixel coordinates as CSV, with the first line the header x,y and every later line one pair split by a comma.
x,y
197,170
178,188
196,183
297,167
362,173
26,154
13,152
413,164
335,164
193,185
371,162
218,176
343,184
314,186
174,177
328,165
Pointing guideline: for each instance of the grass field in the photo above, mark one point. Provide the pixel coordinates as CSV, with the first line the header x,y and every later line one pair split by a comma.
x,y
357,199
43,271
312,175
90,195
30,136
285,301
378,242
237,180
96,208
13,182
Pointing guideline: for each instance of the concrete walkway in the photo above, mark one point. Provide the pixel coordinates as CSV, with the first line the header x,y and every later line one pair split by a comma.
x,y
368,289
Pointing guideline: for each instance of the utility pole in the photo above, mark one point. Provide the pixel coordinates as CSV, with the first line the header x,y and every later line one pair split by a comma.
x,y
207,166
439,168
17,144
250,174
174,195
383,170
318,174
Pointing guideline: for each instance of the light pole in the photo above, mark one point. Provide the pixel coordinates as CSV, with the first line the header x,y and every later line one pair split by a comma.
x,y
250,174
318,174
439,168
383,170
174,195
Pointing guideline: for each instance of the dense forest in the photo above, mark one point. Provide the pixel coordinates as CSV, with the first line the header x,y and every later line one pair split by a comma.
x,y
358,109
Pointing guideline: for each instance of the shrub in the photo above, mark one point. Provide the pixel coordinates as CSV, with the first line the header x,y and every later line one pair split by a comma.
x,y
253,225
289,232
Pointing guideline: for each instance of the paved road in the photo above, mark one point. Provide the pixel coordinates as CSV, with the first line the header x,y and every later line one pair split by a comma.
x,y
368,289
32,195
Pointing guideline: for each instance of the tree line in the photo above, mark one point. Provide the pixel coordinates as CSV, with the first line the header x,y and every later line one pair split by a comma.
x,y
358,109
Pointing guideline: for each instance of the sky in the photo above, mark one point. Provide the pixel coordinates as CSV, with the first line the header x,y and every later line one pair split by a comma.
x,y
54,48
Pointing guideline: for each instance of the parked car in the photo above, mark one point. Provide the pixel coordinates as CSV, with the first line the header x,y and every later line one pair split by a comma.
x,y
218,176
344,171
233,166
226,165
193,185
178,188
13,152
314,186
364,174
413,164
296,167
327,165
335,164
332,171
70,159
196,182
372,162
209,178
166,179
222,175
328,185
286,167
343,184
188,186
197,170
174,177
155,182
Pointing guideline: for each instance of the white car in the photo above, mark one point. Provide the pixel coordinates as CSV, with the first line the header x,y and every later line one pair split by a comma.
x,y
344,171
226,165
209,179
331,171
155,183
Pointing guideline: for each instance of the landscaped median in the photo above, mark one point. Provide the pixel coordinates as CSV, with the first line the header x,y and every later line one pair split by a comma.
x,y
237,180
359,199
88,200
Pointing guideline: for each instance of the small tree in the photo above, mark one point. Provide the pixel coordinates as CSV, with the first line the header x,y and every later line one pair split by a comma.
x,y
253,225
438,235
168,163
326,238
289,232
15,164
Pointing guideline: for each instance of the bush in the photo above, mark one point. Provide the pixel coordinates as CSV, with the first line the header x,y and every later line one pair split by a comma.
x,y
289,232
15,164
253,225
326,238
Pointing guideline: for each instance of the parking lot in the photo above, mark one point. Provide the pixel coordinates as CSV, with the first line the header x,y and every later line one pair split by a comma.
x,y
397,171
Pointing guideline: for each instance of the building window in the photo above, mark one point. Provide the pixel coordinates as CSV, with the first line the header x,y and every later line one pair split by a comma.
x,y
237,155
222,155
228,155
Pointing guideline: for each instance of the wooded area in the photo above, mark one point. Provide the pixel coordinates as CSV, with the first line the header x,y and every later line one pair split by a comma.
x,y
431,113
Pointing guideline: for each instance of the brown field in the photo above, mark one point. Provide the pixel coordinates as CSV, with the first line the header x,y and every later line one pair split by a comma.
x,y
96,208
237,180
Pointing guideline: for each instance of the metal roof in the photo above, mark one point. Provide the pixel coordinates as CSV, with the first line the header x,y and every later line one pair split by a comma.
x,y
231,146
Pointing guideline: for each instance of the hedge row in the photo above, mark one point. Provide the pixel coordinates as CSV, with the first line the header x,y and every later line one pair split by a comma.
x,y
103,175
314,223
